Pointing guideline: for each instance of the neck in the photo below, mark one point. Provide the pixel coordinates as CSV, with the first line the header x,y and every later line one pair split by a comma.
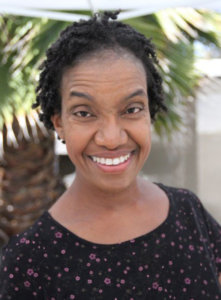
x,y
96,200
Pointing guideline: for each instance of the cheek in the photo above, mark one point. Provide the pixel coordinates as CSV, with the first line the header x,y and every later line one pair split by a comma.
x,y
77,141
146,144
142,135
144,141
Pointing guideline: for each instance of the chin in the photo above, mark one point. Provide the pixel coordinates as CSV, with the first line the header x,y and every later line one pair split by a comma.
x,y
115,186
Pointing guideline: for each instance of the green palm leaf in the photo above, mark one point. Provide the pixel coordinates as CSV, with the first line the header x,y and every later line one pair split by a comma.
x,y
23,42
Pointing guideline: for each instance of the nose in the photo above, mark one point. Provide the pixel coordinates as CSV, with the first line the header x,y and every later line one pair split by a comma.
x,y
111,134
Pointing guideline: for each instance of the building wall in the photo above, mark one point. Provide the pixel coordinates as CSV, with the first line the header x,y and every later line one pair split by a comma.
x,y
208,109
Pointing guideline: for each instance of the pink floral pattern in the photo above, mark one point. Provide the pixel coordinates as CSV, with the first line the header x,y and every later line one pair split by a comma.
x,y
180,259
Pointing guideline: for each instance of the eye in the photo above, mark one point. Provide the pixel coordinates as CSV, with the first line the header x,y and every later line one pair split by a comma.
x,y
133,110
82,114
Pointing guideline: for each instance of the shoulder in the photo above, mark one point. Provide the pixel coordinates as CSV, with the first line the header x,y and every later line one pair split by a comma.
x,y
26,249
20,259
186,204
181,196
29,240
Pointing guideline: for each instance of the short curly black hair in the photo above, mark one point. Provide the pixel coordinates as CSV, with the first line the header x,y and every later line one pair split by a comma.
x,y
84,38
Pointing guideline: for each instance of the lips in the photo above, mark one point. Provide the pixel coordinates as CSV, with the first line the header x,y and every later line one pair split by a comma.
x,y
112,159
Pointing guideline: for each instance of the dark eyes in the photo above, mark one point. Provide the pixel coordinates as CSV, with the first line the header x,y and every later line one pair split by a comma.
x,y
86,114
133,110
83,114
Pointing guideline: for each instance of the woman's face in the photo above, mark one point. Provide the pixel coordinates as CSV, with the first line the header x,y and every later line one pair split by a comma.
x,y
105,120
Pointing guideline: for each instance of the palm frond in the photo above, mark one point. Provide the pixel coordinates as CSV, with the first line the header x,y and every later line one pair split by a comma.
x,y
174,31
23,42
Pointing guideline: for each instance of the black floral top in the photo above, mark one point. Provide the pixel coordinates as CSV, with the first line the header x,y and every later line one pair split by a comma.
x,y
180,259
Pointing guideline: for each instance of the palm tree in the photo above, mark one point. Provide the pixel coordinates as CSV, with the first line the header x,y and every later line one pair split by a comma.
x,y
28,173
174,32
29,179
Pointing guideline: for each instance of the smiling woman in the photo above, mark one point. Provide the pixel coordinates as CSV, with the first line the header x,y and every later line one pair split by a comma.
x,y
112,234
104,112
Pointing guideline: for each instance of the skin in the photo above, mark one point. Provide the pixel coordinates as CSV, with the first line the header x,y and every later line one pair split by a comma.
x,y
108,130
105,113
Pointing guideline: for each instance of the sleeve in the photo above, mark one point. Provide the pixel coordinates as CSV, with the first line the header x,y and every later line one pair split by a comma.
x,y
213,230
16,276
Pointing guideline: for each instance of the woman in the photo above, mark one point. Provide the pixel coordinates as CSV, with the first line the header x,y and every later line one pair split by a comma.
x,y
112,234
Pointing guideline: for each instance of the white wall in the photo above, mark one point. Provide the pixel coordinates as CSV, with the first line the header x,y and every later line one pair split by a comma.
x,y
208,111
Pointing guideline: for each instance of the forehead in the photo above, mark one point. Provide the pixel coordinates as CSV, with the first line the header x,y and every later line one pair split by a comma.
x,y
111,55
106,67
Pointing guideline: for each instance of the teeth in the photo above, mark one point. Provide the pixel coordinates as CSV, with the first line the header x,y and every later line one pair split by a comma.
x,y
109,161
123,158
116,161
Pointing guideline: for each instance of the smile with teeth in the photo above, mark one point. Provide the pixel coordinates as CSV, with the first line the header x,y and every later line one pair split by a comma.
x,y
111,161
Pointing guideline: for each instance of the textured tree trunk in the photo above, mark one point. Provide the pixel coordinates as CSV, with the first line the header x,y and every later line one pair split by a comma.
x,y
29,183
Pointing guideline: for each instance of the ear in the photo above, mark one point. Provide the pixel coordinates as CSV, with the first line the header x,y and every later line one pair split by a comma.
x,y
58,126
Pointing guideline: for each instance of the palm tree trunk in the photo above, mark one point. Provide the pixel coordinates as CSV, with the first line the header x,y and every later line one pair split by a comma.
x,y
29,183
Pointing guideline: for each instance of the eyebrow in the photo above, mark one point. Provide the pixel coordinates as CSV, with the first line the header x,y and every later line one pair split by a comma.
x,y
138,92
81,95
